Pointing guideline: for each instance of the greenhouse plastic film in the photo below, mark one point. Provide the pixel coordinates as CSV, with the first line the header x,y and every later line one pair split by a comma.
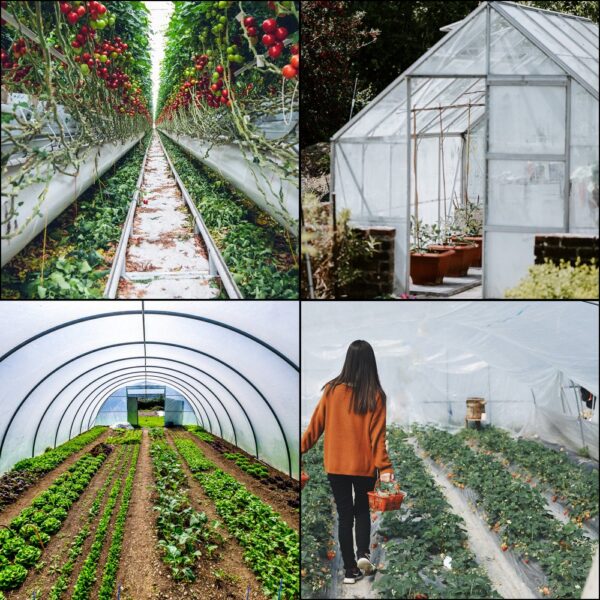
x,y
62,191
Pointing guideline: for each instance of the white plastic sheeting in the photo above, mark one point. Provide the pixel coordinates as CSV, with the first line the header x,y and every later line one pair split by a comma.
x,y
523,357
238,361
62,191
533,75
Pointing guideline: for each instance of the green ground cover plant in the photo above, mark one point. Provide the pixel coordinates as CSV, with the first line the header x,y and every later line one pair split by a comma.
x,y
185,534
200,433
518,513
125,437
62,583
151,421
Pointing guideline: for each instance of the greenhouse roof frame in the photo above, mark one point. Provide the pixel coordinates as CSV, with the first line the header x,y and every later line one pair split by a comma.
x,y
215,373
496,5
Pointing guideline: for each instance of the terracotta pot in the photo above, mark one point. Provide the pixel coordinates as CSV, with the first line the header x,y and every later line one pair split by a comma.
x,y
430,268
460,262
478,239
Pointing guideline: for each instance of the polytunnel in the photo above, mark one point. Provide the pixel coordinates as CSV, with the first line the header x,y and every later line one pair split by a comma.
x,y
528,360
491,136
236,368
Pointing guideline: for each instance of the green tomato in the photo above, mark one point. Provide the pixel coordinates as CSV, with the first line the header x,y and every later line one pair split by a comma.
x,y
85,70
113,55
77,50
94,25
101,23
111,20
223,4
215,77
239,58
231,49
103,58
223,20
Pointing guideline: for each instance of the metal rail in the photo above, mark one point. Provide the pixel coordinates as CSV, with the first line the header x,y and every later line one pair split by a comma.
x,y
118,266
215,259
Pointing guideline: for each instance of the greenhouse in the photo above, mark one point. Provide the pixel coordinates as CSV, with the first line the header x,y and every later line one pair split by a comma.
x,y
167,426
492,431
149,150
490,138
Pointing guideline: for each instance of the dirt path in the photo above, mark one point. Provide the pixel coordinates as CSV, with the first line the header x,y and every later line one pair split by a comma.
x,y
273,496
482,542
55,553
12,510
231,560
141,572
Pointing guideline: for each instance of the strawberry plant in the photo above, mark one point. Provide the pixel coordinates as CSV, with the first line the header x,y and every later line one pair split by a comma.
x,y
317,525
569,482
517,512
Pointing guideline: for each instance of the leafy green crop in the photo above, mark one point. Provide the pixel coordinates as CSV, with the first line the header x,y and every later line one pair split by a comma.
x,y
247,464
549,281
184,533
34,525
257,251
125,437
266,538
199,432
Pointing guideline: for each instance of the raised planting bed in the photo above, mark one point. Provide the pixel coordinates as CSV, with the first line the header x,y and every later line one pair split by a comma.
x,y
29,470
265,537
73,259
260,253
558,555
418,539
569,483
22,542
318,515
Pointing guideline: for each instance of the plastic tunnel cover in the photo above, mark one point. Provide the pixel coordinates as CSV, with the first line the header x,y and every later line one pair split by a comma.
x,y
236,364
522,357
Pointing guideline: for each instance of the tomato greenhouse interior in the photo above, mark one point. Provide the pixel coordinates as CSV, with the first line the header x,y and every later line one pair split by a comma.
x,y
167,426
150,150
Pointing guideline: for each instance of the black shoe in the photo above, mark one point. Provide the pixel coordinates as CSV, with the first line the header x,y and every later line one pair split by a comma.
x,y
365,564
353,575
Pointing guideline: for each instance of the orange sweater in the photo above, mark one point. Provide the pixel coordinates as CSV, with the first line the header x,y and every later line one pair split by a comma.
x,y
354,444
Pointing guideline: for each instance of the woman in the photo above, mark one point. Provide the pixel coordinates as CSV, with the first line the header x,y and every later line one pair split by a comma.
x,y
352,415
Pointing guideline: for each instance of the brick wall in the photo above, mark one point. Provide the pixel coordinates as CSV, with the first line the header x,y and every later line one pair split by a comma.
x,y
566,246
377,270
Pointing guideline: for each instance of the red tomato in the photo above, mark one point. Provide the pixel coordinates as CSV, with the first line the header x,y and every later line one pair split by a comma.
x,y
289,72
269,25
275,50
295,62
281,33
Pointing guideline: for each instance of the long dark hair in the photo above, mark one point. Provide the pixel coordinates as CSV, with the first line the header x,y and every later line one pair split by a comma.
x,y
360,373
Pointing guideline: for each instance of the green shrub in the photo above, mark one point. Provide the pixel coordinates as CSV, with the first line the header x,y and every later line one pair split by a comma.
x,y
12,577
550,281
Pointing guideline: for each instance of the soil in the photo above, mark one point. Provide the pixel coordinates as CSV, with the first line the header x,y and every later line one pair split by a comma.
x,y
13,509
231,554
278,490
55,553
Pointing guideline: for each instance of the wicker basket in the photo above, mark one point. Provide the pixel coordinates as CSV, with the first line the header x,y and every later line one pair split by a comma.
x,y
303,480
386,501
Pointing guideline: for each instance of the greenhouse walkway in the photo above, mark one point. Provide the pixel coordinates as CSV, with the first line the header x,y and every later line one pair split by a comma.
x,y
165,257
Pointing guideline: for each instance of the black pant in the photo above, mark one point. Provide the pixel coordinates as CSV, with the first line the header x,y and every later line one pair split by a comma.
x,y
350,511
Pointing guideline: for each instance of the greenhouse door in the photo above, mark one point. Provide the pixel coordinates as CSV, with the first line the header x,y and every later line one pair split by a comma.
x,y
173,413
527,190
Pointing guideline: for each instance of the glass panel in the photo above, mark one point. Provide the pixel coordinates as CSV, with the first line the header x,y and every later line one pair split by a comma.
x,y
577,31
584,161
474,167
507,258
524,192
462,52
512,53
527,120
348,178
380,112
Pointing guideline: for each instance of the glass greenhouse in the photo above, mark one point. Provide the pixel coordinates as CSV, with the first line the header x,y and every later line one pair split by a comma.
x,y
502,112
230,368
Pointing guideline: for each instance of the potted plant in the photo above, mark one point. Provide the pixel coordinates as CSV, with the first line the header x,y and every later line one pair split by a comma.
x,y
427,266
460,261
468,219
